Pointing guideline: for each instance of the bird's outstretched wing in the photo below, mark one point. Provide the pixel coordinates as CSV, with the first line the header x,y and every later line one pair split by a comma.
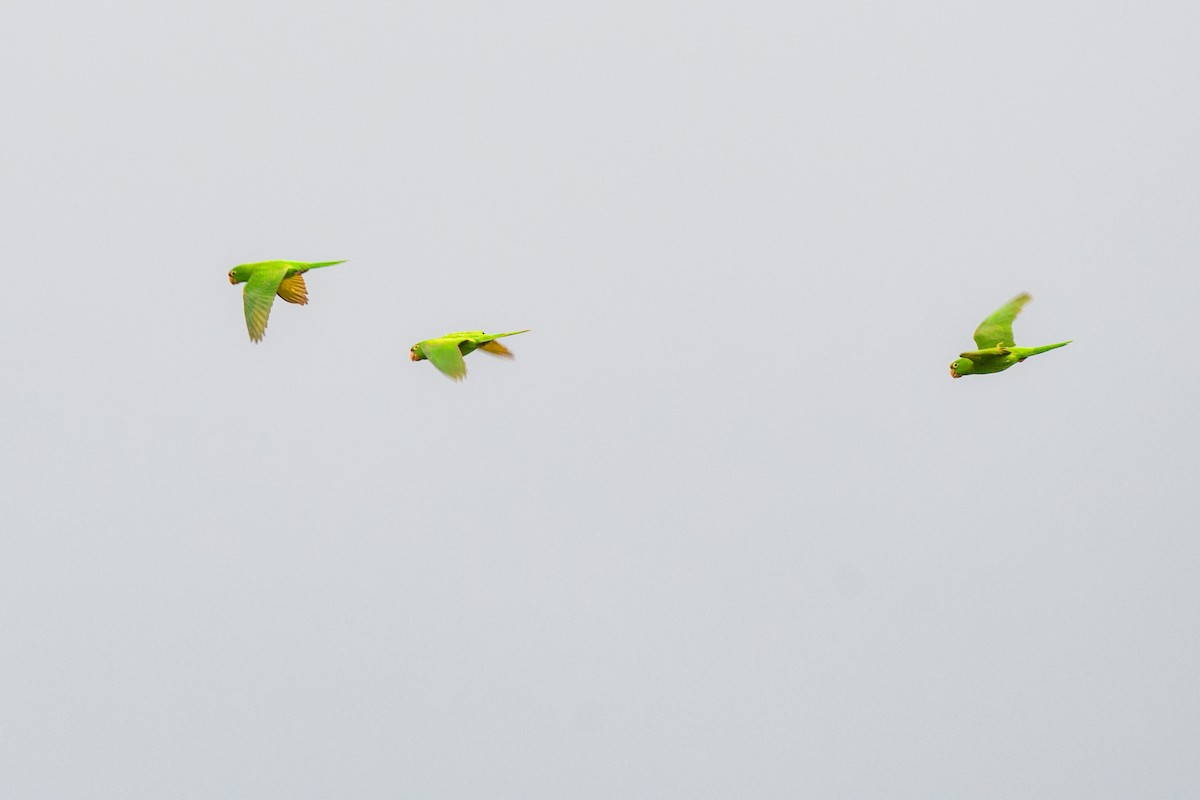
x,y
985,356
496,349
258,297
997,329
445,355
293,290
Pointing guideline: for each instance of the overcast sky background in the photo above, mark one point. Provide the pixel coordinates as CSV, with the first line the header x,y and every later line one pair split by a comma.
x,y
725,527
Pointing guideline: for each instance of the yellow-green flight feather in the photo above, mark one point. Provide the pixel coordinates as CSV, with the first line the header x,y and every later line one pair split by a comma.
x,y
446,352
266,279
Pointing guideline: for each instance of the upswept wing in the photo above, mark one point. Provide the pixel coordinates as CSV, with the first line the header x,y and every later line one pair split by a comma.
x,y
997,329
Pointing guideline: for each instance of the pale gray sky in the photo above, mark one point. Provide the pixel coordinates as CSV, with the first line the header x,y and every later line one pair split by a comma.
x,y
725,527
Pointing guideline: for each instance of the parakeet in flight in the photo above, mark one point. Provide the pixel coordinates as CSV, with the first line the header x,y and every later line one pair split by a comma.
x,y
264,280
994,338
446,352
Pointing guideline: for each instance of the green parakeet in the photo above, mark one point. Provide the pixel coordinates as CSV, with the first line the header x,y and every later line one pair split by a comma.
x,y
446,352
264,280
994,338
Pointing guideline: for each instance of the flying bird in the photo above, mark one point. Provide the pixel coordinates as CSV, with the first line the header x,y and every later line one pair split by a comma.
x,y
264,280
994,338
446,352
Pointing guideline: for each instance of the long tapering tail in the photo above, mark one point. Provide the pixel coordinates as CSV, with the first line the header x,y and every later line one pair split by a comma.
x,y
1033,351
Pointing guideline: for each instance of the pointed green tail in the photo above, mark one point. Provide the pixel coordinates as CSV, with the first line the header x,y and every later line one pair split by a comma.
x,y
1033,351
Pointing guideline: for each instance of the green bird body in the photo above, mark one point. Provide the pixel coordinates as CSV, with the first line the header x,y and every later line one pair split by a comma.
x,y
446,352
994,338
266,279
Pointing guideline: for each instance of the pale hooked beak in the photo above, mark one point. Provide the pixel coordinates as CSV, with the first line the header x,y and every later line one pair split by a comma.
x,y
231,280
954,374
412,355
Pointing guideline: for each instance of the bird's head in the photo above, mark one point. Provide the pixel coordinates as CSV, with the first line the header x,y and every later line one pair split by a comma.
x,y
960,367
415,353
239,274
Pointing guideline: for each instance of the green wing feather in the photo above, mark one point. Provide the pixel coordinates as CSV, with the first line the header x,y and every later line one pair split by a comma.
x,y
997,329
983,356
258,296
445,355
